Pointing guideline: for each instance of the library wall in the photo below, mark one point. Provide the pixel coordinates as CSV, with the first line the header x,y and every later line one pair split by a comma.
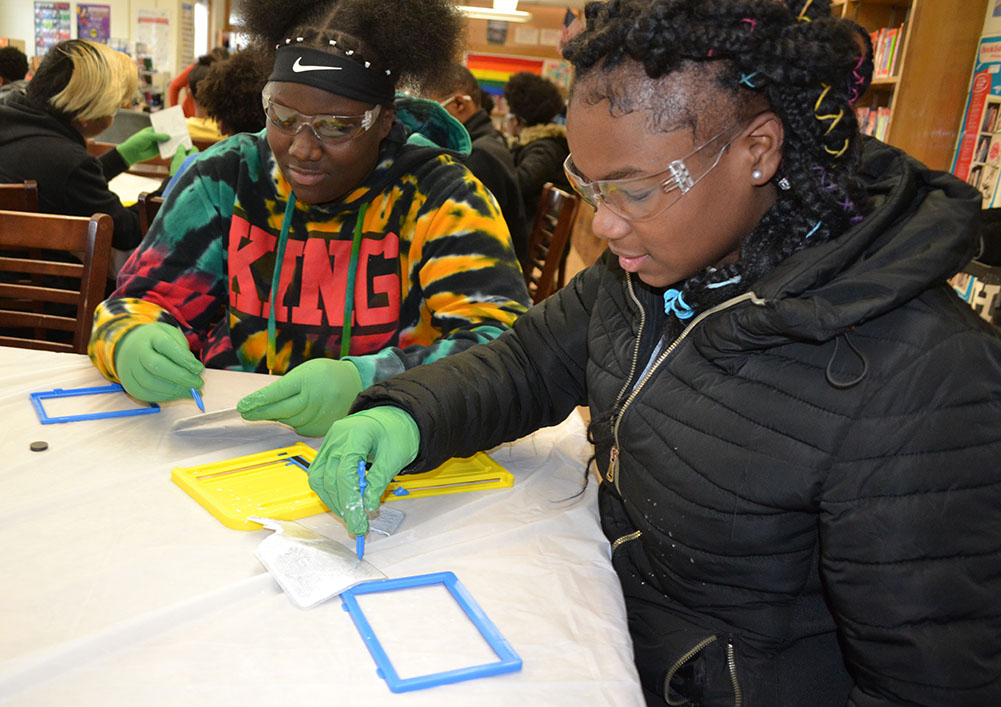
x,y
496,50
537,38
992,23
17,22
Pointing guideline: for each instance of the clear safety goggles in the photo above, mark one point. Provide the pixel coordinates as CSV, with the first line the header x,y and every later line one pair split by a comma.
x,y
324,127
645,198
453,99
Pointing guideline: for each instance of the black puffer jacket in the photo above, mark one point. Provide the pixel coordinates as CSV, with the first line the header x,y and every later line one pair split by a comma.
x,y
34,144
806,499
538,158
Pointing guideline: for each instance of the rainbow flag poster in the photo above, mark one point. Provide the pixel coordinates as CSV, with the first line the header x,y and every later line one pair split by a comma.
x,y
493,70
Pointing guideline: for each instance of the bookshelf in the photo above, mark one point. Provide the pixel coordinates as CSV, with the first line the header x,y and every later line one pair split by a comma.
x,y
987,152
926,93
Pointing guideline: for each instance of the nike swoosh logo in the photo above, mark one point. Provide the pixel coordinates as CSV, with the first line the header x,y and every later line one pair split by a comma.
x,y
299,68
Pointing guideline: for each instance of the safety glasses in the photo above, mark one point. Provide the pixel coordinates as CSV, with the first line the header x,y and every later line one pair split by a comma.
x,y
324,127
645,198
454,99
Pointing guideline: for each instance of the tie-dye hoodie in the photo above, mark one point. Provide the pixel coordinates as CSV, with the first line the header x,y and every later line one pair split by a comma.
x,y
436,272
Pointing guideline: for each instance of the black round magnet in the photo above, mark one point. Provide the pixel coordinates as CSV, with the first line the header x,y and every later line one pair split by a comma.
x,y
39,446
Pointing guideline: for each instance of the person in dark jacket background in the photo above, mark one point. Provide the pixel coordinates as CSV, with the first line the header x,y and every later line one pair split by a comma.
x,y
540,144
489,158
796,420
74,95
13,69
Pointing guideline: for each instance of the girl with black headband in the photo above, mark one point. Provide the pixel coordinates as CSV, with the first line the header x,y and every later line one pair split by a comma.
x,y
797,422
328,248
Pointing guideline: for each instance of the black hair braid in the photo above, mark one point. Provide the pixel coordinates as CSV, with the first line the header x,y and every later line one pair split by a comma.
x,y
809,68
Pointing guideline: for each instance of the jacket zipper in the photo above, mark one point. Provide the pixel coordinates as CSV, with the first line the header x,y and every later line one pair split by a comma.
x,y
625,538
613,456
614,468
731,665
678,663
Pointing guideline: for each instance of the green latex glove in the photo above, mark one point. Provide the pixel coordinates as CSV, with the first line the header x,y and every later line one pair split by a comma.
x,y
142,146
178,159
311,397
386,436
154,363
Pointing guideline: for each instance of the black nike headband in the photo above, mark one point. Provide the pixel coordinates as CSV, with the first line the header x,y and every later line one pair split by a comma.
x,y
333,73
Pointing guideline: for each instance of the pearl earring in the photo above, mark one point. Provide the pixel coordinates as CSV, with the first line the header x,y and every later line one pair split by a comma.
x,y
756,175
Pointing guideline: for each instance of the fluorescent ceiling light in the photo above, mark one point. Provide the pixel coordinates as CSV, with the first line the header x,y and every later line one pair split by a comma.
x,y
489,13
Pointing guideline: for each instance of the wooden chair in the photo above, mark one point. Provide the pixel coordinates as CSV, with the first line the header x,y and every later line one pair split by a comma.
x,y
56,244
548,242
148,208
19,197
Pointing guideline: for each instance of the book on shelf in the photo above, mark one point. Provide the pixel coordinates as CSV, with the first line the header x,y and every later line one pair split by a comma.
x,y
873,121
990,118
886,44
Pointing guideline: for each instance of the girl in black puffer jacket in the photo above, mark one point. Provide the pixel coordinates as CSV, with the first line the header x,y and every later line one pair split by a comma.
x,y
796,420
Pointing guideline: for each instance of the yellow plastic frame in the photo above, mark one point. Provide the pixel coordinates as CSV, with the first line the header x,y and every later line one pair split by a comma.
x,y
275,484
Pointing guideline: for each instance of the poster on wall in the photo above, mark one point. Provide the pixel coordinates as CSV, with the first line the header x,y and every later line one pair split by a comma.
x,y
558,71
978,152
93,22
496,32
153,35
493,70
52,25
187,34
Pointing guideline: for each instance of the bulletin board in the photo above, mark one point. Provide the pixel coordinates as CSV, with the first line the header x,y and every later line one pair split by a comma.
x,y
153,35
52,25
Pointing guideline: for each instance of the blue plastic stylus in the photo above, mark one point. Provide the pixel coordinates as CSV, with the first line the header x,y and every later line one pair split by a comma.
x,y
360,540
198,399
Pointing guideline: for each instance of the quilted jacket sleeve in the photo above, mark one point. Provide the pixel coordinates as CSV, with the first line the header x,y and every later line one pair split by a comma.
x,y
530,377
911,532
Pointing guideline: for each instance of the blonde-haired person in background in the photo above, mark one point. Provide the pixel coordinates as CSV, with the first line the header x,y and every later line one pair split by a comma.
x,y
75,95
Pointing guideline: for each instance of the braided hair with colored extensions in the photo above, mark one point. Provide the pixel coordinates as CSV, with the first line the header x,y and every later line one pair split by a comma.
x,y
736,58
807,65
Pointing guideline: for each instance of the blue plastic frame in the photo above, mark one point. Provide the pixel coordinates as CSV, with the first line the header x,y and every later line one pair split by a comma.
x,y
509,661
45,419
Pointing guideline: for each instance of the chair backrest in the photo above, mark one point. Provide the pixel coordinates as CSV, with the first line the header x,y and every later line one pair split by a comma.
x,y
40,260
127,123
548,242
19,197
148,207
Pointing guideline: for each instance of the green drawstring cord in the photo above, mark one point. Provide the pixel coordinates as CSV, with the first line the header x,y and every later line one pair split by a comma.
x,y
349,295
276,276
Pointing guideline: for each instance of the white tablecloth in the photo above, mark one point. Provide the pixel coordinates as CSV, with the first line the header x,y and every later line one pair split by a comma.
x,y
117,588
